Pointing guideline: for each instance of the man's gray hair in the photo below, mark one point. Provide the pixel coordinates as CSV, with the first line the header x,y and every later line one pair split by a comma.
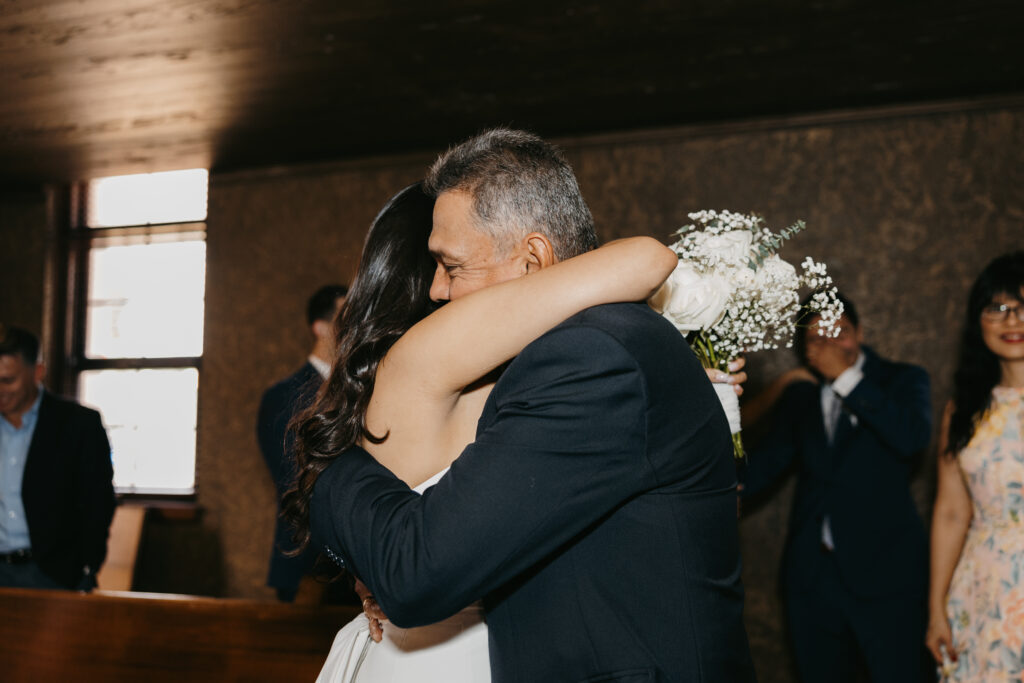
x,y
519,184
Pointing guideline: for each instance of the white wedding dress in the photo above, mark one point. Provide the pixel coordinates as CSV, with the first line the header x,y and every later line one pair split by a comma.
x,y
452,651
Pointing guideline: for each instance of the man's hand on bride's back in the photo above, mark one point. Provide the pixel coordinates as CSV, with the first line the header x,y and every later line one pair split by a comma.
x,y
372,611
736,377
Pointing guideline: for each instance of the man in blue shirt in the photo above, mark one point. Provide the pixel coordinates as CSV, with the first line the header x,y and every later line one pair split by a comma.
x,y
56,488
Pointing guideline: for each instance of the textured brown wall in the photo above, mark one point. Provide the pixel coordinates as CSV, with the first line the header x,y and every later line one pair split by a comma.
x,y
905,210
22,258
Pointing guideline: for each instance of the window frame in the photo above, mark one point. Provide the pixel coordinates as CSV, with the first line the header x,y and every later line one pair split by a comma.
x,y
80,240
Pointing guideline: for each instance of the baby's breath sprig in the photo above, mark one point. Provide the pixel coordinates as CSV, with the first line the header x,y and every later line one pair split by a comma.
x,y
770,243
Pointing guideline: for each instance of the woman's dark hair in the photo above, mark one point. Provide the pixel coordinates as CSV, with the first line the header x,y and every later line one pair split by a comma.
x,y
390,294
978,370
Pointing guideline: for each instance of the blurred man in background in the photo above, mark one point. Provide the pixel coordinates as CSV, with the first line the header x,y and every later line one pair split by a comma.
x,y
279,404
854,569
56,478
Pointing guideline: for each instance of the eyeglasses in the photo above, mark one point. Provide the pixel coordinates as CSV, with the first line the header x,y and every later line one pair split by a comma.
x,y
998,313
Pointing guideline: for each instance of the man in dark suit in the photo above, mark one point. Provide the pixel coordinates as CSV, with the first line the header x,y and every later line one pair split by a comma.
x,y
854,569
594,514
279,404
56,478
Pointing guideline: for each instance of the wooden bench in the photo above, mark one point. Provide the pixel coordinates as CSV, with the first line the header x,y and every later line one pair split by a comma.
x,y
118,569
113,637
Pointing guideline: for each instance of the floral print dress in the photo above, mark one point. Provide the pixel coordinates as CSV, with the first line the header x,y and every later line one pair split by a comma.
x,y
986,596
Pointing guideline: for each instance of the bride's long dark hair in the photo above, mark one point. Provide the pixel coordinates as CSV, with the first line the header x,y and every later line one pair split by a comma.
x,y
390,294
978,370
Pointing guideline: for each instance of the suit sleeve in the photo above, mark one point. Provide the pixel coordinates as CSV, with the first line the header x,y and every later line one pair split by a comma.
x,y
773,455
271,422
565,448
900,414
95,492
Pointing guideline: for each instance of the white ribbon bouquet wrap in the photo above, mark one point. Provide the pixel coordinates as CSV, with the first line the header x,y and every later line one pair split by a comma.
x,y
731,294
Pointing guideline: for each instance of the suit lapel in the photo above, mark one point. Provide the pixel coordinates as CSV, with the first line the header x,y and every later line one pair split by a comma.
x,y
816,417
309,383
843,430
43,443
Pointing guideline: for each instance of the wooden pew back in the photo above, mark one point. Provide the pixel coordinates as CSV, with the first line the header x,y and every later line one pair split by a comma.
x,y
113,637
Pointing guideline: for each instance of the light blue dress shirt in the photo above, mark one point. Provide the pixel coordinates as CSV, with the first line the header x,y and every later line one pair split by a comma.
x,y
14,444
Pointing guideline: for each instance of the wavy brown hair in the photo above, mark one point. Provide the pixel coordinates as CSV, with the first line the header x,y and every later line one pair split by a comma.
x,y
390,294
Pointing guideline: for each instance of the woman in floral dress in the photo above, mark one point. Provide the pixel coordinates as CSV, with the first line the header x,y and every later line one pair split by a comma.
x,y
976,598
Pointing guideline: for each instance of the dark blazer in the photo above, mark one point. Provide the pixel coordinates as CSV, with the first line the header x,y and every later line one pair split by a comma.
x,y
68,492
277,407
861,482
595,515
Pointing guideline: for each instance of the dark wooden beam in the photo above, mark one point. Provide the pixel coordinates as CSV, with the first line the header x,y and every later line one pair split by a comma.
x,y
109,86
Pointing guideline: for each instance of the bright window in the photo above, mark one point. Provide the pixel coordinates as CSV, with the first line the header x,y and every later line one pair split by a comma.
x,y
146,297
138,335
150,416
147,198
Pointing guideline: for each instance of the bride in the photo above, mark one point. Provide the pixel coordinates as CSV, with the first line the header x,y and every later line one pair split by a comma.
x,y
408,385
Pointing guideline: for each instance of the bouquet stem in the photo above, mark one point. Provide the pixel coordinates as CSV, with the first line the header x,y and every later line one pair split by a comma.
x,y
710,359
737,446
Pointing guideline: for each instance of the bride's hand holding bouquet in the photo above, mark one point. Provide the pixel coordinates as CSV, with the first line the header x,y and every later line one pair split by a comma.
x,y
731,294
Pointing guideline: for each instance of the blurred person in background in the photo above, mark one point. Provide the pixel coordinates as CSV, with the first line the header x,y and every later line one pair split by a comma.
x,y
56,477
277,407
854,569
976,598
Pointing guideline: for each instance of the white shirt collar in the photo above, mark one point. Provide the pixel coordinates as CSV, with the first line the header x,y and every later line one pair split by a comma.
x,y
322,366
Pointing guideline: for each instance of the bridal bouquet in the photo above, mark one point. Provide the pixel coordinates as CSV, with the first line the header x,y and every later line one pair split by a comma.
x,y
731,294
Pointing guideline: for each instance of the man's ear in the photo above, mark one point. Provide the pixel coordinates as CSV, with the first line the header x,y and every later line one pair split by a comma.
x,y
321,329
40,372
539,252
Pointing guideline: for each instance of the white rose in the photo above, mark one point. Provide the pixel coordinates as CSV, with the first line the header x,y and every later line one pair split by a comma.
x,y
691,300
732,246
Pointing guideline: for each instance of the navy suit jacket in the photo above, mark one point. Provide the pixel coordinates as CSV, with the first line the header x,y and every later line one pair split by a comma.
x,y
595,515
861,481
277,407
68,492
